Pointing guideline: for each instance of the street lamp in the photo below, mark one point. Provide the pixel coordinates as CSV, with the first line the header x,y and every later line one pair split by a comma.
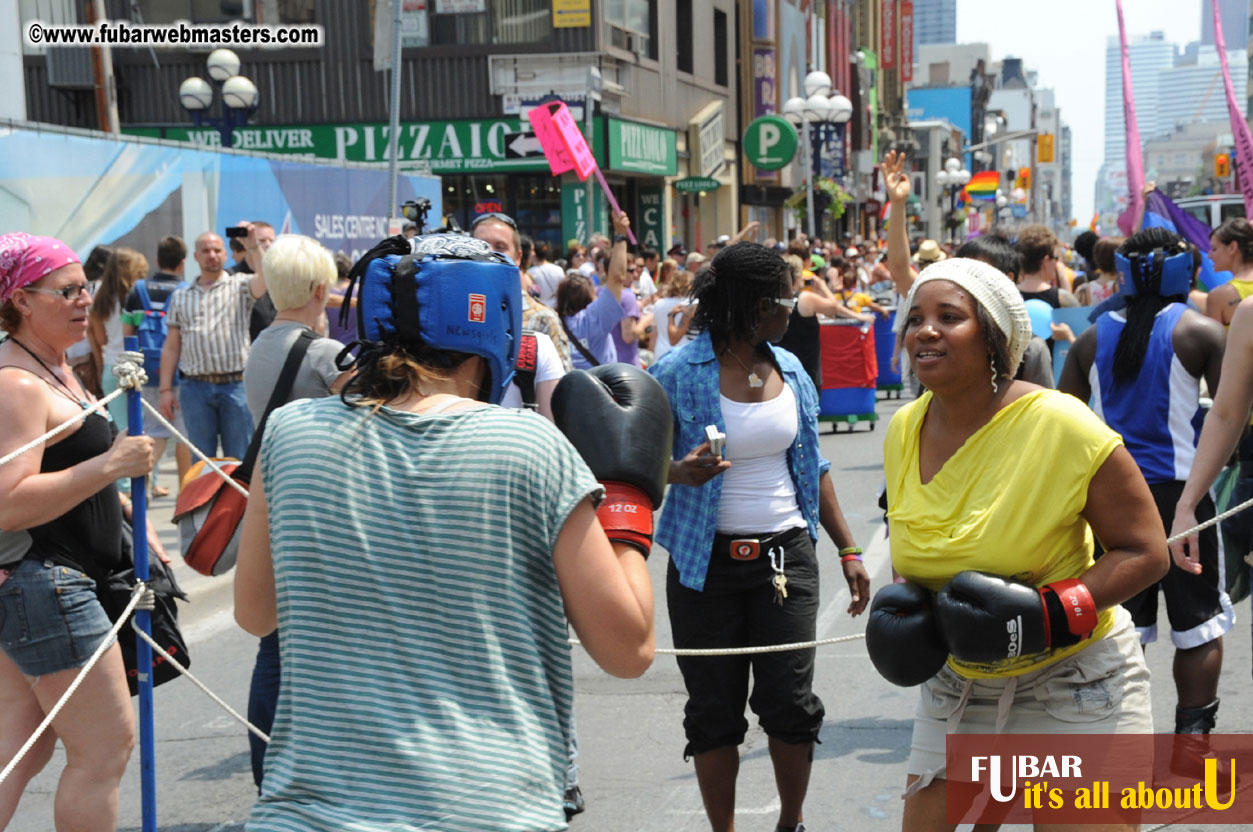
x,y
821,116
239,95
1002,204
952,178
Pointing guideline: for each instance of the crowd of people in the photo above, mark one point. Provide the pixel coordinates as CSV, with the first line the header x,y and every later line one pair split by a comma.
x,y
587,390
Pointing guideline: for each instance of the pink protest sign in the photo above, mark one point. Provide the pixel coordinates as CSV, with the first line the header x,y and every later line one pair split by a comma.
x,y
560,137
565,148
554,148
584,161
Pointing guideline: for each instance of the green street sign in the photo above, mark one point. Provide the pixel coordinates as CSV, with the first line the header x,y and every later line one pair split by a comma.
x,y
770,142
697,184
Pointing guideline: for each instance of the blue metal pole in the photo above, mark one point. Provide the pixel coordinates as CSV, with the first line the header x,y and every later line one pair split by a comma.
x,y
143,651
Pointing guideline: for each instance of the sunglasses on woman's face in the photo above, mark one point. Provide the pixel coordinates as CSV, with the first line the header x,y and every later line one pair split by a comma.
x,y
789,303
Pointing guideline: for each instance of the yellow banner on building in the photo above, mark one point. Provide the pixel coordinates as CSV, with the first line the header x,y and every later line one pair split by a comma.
x,y
572,14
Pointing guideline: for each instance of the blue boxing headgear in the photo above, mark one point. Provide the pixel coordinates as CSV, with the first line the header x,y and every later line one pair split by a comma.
x,y
453,294
1157,272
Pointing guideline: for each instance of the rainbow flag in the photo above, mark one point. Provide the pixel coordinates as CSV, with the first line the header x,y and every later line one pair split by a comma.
x,y
982,185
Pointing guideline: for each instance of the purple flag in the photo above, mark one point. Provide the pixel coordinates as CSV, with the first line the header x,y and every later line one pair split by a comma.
x,y
1181,222
1239,127
1129,220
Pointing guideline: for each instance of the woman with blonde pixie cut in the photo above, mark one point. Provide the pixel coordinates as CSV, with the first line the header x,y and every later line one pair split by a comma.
x,y
299,274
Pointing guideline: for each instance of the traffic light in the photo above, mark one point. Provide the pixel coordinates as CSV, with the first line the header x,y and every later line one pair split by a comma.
x,y
1045,148
1222,165
1024,179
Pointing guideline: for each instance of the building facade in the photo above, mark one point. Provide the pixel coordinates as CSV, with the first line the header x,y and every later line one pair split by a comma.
x,y
470,73
935,21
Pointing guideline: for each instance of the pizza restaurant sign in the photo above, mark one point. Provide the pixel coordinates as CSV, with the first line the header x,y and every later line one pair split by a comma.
x,y
504,144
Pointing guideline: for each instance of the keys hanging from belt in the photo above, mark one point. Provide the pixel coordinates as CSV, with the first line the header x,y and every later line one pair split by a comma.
x,y
779,580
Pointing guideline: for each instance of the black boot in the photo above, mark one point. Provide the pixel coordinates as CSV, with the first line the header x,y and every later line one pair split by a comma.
x,y
1196,720
1188,752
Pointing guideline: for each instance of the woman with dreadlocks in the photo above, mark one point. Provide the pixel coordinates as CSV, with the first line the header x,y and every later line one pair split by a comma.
x,y
1142,366
740,524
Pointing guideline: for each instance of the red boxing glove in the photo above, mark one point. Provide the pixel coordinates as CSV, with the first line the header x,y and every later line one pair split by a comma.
x,y
1068,609
626,514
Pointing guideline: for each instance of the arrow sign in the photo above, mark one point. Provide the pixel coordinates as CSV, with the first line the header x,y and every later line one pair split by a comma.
x,y
524,145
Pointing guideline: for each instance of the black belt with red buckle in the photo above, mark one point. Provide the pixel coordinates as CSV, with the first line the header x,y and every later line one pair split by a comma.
x,y
744,547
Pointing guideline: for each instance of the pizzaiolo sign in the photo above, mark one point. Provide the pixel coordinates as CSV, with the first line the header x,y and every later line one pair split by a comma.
x,y
503,144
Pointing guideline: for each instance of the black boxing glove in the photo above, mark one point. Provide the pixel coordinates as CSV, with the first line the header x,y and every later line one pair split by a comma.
x,y
901,636
987,618
618,418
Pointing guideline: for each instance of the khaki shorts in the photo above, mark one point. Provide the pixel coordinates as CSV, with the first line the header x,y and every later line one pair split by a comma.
x,y
1102,689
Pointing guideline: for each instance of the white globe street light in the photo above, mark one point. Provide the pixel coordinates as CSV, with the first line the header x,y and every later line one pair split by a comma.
x,y
794,109
823,111
239,95
223,64
817,83
195,94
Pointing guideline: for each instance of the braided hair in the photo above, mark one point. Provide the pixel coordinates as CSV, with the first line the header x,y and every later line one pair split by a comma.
x,y
1143,306
730,290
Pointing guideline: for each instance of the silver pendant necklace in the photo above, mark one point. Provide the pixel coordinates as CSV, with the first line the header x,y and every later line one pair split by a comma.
x,y
754,380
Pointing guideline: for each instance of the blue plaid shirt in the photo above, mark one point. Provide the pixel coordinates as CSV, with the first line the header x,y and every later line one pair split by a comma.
x,y
689,519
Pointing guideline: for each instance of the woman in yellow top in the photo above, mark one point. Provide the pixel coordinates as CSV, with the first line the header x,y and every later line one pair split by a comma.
x,y
964,465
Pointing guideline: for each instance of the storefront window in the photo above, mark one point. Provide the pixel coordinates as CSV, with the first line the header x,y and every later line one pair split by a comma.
x,y
457,22
534,202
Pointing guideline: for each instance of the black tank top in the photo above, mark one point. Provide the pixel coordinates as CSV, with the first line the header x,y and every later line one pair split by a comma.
x,y
88,537
1049,296
802,340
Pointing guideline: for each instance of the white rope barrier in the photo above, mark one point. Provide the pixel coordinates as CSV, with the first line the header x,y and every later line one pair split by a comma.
x,y
203,457
63,427
78,680
746,651
161,652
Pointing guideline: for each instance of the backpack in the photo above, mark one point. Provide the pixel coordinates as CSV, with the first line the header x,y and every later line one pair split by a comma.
x,y
152,331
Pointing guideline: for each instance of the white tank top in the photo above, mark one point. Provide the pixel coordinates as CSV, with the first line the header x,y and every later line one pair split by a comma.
x,y
758,496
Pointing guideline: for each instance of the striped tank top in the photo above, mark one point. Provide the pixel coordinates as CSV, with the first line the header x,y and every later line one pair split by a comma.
x,y
426,674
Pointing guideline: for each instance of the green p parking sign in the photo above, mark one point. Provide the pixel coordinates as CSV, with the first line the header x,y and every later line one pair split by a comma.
x,y
770,142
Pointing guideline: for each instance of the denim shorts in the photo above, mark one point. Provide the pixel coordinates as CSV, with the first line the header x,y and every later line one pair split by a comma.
x,y
50,618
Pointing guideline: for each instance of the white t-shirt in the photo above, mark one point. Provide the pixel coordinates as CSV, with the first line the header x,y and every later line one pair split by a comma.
x,y
547,278
662,310
645,287
547,368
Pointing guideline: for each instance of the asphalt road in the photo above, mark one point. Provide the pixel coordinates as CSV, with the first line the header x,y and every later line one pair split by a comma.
x,y
630,731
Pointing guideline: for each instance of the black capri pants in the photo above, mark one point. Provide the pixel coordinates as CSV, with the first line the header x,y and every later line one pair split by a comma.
x,y
737,609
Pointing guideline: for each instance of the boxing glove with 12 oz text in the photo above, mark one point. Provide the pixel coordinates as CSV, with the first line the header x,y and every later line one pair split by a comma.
x,y
618,418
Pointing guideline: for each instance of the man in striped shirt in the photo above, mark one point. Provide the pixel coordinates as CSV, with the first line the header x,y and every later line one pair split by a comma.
x,y
208,345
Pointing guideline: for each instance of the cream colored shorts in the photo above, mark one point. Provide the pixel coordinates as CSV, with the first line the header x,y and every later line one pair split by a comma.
x,y
1103,689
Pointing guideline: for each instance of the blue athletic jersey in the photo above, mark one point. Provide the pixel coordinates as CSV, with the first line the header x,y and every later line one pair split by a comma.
x,y
1159,413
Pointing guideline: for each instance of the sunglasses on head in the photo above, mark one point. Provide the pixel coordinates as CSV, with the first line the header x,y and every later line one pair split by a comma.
x,y
494,215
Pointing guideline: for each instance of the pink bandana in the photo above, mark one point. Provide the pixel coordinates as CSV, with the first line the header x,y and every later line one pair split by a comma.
x,y
25,258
